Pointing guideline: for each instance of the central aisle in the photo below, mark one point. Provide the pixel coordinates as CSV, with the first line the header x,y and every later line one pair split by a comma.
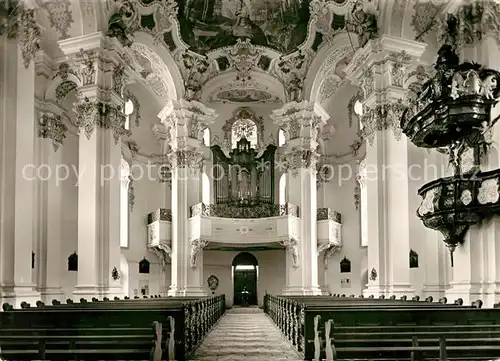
x,y
245,334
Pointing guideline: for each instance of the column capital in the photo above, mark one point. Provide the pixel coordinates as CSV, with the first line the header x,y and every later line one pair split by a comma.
x,y
92,113
301,123
186,121
19,22
387,49
385,68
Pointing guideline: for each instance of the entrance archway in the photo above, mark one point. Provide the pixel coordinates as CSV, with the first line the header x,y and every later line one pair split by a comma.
x,y
245,273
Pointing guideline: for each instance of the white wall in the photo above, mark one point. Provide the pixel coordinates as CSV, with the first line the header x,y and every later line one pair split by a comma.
x,y
149,196
271,276
339,196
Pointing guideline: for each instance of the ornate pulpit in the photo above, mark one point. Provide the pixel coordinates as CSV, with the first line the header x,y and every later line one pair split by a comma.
x,y
245,178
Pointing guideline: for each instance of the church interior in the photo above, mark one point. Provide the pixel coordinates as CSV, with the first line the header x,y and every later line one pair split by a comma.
x,y
229,179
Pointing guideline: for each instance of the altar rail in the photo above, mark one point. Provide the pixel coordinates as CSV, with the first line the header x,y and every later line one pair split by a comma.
x,y
344,328
108,330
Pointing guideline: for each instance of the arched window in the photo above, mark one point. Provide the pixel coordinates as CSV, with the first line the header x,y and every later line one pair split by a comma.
x,y
358,109
244,128
362,178
206,137
281,138
128,110
205,188
282,194
124,206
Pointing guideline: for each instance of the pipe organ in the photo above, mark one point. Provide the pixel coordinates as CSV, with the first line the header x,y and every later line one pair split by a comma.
x,y
246,178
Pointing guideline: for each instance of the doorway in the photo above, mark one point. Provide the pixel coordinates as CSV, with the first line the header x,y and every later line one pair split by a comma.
x,y
245,273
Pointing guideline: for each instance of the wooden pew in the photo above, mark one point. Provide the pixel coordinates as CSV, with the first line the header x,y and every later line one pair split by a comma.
x,y
108,330
378,330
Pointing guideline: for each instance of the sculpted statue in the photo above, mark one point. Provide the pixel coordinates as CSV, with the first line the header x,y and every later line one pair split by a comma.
x,y
119,24
196,246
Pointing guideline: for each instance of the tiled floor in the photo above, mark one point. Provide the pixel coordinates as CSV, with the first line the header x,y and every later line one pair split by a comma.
x,y
245,334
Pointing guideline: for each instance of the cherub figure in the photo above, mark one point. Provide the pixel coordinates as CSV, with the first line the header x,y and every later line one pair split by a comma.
x,y
488,87
119,24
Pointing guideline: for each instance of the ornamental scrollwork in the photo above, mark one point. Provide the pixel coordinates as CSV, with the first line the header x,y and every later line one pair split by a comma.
x,y
243,56
51,126
92,114
87,66
298,159
398,69
196,247
186,158
292,246
381,117
163,252
118,78
19,22
131,194
329,250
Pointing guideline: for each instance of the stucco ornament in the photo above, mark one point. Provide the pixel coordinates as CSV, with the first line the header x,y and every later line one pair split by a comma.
x,y
60,16
186,158
92,114
51,126
381,117
19,22
87,68
196,247
292,246
213,283
329,250
488,192
291,71
427,205
466,197
243,57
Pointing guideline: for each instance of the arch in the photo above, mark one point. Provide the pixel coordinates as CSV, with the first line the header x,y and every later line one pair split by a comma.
x,y
325,60
245,275
244,128
205,189
244,113
206,137
245,258
54,90
259,81
282,189
173,75
281,137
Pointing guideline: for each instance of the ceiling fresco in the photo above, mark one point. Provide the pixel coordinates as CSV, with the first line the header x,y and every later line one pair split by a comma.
x,y
210,24
224,41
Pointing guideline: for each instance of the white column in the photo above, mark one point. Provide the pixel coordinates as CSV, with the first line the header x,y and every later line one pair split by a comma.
x,y
381,69
100,117
301,123
186,121
49,262
17,174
